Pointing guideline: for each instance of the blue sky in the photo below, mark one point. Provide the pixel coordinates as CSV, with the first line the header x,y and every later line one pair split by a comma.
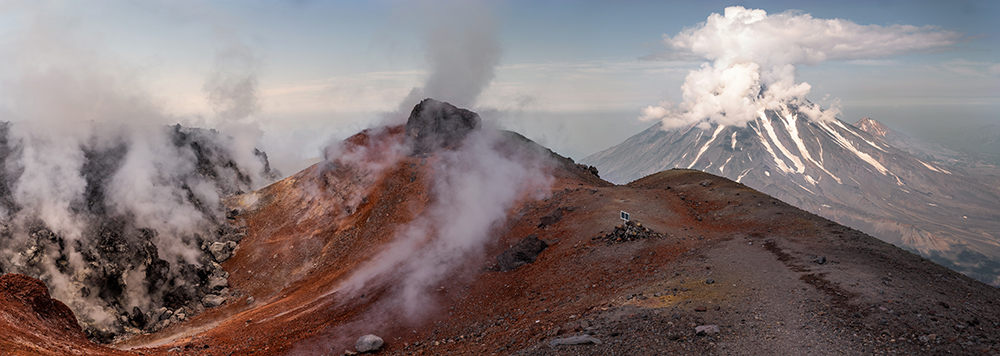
x,y
569,74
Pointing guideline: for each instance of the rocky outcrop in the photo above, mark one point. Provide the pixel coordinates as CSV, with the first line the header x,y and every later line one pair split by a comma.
x,y
434,125
524,252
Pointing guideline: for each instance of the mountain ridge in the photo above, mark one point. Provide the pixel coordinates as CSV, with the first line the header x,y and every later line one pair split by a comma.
x,y
705,265
838,171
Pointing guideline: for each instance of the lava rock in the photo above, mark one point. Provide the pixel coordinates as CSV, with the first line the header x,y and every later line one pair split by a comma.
x,y
575,340
703,330
368,343
709,281
551,218
217,282
164,314
213,300
433,125
524,252
137,318
220,251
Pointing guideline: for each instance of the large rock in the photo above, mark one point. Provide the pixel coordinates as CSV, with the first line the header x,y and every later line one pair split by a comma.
x,y
213,300
435,124
368,343
222,251
524,252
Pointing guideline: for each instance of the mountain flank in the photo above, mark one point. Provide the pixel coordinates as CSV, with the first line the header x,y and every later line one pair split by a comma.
x,y
711,267
838,171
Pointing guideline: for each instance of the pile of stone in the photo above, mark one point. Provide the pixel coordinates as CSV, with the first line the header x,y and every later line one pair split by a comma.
x,y
629,231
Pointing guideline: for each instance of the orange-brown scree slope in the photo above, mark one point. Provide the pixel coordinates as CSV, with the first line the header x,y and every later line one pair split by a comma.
x,y
758,276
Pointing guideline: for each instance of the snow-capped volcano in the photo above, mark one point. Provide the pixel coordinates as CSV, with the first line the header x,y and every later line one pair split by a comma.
x,y
836,170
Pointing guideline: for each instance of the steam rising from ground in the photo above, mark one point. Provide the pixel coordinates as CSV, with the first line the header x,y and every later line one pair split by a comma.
x,y
462,51
754,57
99,198
118,217
472,190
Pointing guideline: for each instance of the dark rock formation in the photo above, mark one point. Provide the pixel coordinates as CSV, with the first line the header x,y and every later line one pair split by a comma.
x,y
435,124
524,252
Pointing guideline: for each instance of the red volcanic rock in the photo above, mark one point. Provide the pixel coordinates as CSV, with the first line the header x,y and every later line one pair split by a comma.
x,y
34,298
32,323
291,290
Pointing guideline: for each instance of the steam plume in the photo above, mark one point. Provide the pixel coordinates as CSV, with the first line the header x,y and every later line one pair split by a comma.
x,y
462,52
99,198
754,57
472,191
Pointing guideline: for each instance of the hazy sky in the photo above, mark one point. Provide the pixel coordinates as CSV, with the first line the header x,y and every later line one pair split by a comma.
x,y
573,75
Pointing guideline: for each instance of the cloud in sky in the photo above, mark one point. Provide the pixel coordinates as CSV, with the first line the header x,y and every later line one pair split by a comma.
x,y
754,56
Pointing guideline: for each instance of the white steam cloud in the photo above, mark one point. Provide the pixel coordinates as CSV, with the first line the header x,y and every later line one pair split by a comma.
x,y
95,188
471,187
462,50
472,191
754,57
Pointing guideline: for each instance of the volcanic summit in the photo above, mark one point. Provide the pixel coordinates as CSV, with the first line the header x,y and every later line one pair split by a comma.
x,y
497,245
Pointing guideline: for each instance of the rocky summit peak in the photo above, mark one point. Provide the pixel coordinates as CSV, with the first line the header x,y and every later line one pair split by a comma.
x,y
436,124
872,127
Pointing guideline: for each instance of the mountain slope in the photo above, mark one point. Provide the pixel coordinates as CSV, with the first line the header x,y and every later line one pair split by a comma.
x,y
729,256
838,171
978,164
330,255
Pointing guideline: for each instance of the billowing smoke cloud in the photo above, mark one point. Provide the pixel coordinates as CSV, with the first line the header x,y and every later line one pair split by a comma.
x,y
754,57
99,197
462,50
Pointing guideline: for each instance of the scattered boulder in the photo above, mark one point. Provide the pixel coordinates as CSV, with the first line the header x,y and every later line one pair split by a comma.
x,y
433,125
217,282
703,330
220,251
710,281
551,218
213,300
524,252
368,343
575,340
165,314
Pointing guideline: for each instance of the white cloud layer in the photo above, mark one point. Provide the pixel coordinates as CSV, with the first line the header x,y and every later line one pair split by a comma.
x,y
754,57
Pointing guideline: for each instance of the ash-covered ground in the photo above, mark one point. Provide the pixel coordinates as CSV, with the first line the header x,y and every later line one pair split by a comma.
x,y
125,225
